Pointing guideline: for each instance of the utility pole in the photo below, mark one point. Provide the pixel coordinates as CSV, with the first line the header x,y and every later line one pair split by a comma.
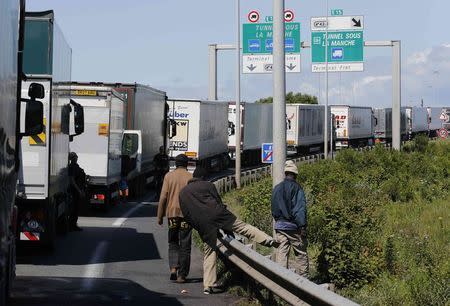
x,y
238,95
279,93
325,130
396,94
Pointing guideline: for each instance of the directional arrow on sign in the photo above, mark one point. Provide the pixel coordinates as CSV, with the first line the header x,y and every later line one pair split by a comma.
x,y
291,66
356,23
251,67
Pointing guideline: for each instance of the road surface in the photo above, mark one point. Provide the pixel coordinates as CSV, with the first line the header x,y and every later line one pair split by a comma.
x,y
120,258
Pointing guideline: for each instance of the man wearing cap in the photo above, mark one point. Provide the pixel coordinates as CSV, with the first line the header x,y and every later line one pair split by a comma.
x,y
180,232
203,209
289,212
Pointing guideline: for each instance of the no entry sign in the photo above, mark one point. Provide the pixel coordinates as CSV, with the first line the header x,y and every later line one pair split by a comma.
x,y
253,16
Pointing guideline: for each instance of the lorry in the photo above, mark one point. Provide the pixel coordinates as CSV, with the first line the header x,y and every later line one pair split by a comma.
x,y
99,148
43,184
383,124
12,129
201,132
146,128
304,128
417,120
353,126
434,121
256,129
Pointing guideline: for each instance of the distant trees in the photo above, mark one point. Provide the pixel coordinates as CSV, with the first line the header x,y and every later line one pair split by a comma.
x,y
292,98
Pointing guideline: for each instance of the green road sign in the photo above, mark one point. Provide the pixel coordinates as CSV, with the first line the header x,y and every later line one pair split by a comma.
x,y
345,51
337,12
258,38
345,46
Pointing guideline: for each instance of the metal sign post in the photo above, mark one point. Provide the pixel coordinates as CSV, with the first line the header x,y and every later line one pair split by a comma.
x,y
238,95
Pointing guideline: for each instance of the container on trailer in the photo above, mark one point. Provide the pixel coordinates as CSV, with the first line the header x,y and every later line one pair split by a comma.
x,y
201,131
43,183
256,129
99,148
417,118
383,124
434,121
304,127
146,123
353,125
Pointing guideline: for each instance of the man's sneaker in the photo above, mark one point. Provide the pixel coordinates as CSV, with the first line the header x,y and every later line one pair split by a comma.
x,y
181,279
213,290
275,244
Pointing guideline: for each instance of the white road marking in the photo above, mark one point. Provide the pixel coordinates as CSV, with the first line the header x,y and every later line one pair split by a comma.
x,y
94,269
121,220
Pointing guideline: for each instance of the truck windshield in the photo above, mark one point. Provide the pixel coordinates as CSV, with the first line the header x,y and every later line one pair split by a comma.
x,y
129,144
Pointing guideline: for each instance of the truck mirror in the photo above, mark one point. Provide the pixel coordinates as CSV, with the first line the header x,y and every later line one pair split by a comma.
x,y
173,128
36,91
65,119
78,118
34,114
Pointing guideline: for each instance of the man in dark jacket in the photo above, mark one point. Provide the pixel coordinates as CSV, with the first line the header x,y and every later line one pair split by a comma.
x,y
289,212
203,209
161,163
77,187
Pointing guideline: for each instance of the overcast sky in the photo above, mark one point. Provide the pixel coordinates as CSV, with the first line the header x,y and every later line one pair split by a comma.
x,y
164,43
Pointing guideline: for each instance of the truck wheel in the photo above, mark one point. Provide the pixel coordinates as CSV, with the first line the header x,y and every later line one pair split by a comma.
x,y
3,288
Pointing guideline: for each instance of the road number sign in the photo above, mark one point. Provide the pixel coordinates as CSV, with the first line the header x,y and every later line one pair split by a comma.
x,y
267,153
443,133
253,16
337,12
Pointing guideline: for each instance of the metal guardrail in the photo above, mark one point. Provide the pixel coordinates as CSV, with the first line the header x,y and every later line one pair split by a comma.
x,y
284,283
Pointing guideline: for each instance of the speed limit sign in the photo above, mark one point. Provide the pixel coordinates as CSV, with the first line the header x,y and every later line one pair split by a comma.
x,y
443,133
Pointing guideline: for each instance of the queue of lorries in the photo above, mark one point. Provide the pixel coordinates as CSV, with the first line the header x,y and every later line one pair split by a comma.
x,y
116,129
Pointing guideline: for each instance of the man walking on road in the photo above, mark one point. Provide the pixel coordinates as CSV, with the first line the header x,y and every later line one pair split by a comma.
x,y
203,209
180,232
161,162
289,212
77,178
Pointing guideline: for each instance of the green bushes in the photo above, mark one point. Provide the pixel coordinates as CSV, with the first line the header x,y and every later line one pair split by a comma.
x,y
350,203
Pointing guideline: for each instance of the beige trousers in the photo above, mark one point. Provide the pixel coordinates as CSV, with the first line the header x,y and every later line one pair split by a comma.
x,y
210,255
293,240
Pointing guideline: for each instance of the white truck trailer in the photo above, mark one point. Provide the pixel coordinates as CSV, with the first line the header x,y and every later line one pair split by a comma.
x,y
434,121
304,128
417,118
353,126
43,183
146,125
201,132
99,148
383,124
256,129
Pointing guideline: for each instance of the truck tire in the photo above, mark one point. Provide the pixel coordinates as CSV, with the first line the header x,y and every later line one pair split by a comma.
x,y
10,269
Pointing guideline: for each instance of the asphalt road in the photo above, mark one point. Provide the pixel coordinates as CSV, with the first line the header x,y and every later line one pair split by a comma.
x,y
120,258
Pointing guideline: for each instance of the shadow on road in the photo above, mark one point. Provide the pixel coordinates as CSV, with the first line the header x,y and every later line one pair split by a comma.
x,y
46,291
120,244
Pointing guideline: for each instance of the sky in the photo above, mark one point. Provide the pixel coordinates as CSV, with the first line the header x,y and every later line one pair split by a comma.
x,y
164,44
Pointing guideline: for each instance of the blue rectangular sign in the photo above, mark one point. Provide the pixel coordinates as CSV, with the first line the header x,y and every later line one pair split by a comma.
x,y
289,45
267,153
